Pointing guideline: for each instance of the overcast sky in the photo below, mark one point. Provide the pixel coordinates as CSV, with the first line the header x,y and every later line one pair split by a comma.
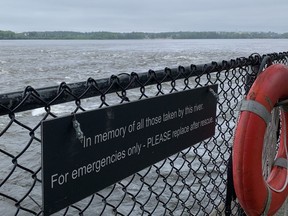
x,y
144,15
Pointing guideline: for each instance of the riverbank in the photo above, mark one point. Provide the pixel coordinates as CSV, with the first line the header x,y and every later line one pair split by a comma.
x,y
104,35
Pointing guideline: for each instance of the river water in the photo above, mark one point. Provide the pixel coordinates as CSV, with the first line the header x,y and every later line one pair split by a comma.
x,y
48,63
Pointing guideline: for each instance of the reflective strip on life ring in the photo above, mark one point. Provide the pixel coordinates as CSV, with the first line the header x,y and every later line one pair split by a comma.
x,y
254,193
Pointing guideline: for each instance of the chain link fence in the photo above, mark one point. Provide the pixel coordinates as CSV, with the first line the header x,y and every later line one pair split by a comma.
x,y
191,182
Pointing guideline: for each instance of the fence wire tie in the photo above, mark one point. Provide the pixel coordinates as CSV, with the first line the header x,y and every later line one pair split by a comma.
x,y
214,93
76,125
35,201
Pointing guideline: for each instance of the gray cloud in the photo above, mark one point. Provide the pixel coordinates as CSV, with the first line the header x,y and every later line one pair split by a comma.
x,y
148,15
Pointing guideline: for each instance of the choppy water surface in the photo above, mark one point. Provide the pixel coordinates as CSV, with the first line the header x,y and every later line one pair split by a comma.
x,y
45,63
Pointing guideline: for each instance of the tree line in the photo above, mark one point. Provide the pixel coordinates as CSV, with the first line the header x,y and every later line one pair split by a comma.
x,y
104,35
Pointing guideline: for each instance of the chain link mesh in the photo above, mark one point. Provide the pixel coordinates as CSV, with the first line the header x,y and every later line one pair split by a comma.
x,y
191,182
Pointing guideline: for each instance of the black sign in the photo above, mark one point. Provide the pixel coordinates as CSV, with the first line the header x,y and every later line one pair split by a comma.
x,y
119,141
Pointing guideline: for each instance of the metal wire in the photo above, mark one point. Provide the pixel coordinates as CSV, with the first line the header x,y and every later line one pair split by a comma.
x,y
192,182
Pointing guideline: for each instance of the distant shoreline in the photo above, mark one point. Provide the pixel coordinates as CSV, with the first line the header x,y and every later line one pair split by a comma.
x,y
104,35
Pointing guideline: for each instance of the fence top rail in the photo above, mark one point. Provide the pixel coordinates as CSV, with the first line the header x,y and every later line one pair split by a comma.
x,y
21,101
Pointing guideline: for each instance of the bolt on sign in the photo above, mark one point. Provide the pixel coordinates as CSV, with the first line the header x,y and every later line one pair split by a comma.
x,y
111,143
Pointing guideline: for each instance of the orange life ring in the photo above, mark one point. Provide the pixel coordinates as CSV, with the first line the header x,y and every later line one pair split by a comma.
x,y
256,195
